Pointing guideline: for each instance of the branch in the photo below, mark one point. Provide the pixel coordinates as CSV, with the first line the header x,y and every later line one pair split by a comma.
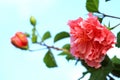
x,y
43,44
105,15
50,47
115,26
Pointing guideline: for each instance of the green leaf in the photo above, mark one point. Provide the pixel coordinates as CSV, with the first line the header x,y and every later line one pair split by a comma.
x,y
102,72
66,46
46,36
49,60
109,24
116,62
100,19
66,52
61,35
109,27
25,48
27,34
92,5
116,66
68,55
116,73
118,40
98,75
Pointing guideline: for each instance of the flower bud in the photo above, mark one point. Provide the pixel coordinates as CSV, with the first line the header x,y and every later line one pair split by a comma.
x,y
20,41
33,20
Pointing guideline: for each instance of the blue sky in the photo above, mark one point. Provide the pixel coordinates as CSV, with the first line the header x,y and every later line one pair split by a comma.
x,y
51,15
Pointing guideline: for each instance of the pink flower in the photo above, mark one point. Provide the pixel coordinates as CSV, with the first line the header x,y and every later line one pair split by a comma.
x,y
90,40
20,40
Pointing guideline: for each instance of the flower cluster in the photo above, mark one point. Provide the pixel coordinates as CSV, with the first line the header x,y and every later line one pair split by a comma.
x,y
90,40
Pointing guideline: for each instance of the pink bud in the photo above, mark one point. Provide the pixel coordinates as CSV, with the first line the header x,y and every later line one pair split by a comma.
x,y
20,40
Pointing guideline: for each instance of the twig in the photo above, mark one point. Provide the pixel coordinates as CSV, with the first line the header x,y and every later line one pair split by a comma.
x,y
52,47
43,44
115,26
105,15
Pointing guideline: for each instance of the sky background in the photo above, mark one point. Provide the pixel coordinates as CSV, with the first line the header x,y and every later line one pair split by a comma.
x,y
51,15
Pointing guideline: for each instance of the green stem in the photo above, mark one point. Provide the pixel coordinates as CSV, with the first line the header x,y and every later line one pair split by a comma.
x,y
115,26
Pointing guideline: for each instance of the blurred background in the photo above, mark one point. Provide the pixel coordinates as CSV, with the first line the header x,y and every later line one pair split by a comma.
x,y
51,15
